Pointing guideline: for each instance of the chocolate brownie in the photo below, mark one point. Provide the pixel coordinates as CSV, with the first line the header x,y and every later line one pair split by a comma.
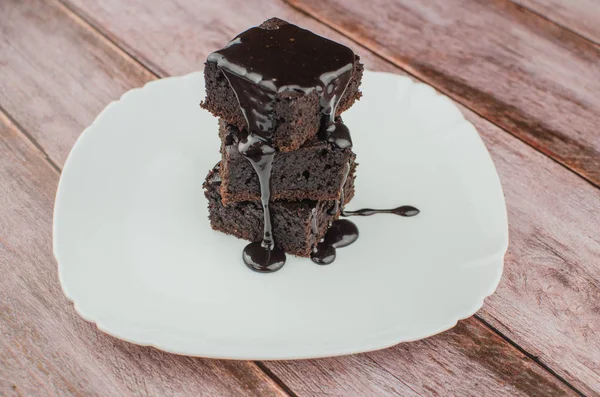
x,y
315,171
294,111
298,225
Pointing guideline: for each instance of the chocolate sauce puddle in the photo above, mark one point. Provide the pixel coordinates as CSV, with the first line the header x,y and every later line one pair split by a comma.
x,y
259,63
341,233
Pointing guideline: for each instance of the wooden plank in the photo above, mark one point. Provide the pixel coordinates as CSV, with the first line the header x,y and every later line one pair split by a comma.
x,y
49,72
456,362
146,35
139,27
580,16
45,347
43,344
531,287
547,300
522,72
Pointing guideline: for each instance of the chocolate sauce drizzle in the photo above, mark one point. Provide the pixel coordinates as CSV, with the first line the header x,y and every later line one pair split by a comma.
x,y
404,210
344,232
258,64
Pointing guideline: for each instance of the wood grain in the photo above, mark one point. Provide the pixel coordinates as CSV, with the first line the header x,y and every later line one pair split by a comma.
x,y
49,71
522,72
456,363
548,299
195,30
580,16
557,321
45,348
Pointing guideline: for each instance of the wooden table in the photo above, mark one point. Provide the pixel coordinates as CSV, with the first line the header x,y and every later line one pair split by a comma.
x,y
525,72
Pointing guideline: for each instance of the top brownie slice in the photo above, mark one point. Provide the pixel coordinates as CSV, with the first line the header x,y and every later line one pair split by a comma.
x,y
283,70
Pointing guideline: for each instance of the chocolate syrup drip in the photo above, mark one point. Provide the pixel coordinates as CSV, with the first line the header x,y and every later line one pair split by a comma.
x,y
340,203
314,225
258,64
264,256
339,135
404,210
341,234
260,154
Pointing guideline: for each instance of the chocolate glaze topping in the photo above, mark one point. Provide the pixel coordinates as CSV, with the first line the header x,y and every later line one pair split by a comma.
x,y
259,63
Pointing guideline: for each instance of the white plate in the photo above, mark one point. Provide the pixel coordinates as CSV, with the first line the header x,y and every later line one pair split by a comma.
x,y
137,256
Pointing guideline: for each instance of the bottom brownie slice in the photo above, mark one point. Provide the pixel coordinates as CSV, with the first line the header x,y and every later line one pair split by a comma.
x,y
297,225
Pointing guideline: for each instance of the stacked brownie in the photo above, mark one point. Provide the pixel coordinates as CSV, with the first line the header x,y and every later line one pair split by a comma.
x,y
278,91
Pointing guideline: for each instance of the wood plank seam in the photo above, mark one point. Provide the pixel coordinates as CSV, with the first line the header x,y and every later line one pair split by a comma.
x,y
513,345
280,383
555,23
27,137
89,23
441,89
530,356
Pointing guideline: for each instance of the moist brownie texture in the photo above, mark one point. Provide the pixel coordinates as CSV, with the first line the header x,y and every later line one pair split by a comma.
x,y
297,225
297,115
315,171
